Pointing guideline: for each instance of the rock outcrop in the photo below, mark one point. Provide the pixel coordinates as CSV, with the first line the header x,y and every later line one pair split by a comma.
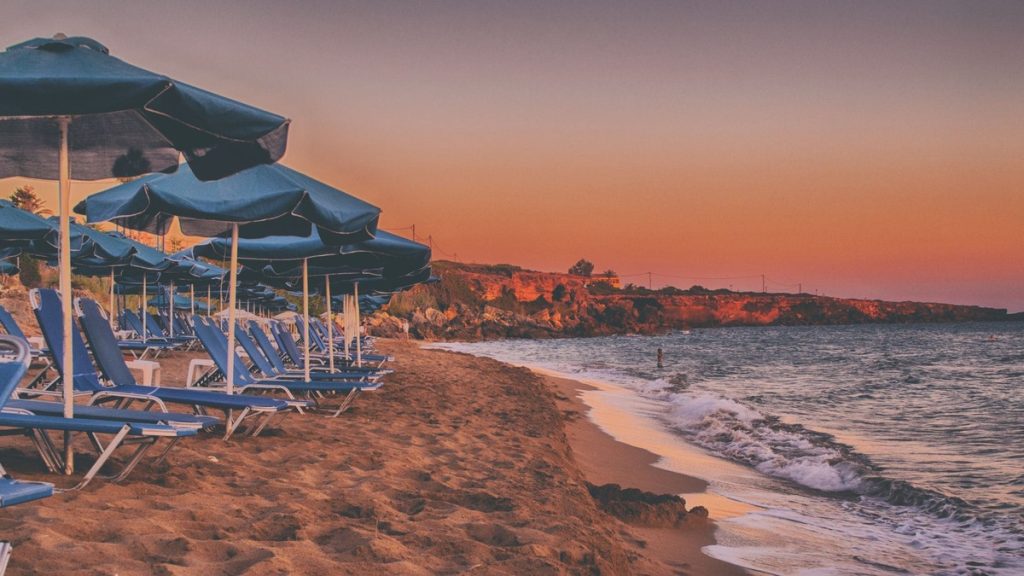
x,y
474,302
647,509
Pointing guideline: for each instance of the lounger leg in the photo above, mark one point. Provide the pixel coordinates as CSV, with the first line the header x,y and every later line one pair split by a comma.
x,y
96,442
230,425
133,461
102,459
5,556
165,451
46,451
347,402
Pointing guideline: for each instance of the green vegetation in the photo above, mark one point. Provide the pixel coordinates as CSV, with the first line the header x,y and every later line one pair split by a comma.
x,y
583,267
558,294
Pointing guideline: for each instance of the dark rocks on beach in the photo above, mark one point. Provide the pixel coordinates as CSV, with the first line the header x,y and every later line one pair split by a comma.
x,y
640,508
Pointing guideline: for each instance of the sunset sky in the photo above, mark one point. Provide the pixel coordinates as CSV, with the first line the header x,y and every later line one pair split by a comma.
x,y
862,149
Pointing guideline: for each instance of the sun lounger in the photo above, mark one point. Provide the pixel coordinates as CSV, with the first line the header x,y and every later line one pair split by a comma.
x,y
12,493
20,421
10,326
147,343
124,390
286,343
158,330
270,365
215,343
176,419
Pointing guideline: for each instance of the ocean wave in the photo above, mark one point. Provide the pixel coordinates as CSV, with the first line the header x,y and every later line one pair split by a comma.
x,y
786,451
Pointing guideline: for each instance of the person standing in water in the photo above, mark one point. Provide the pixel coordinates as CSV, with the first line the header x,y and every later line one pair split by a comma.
x,y
661,358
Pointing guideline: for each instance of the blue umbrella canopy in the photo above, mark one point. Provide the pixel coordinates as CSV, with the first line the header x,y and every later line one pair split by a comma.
x,y
383,285
180,303
8,268
129,287
17,224
89,247
124,121
199,273
263,200
282,256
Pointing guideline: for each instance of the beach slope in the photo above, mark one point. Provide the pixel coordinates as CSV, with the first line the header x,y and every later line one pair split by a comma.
x,y
458,465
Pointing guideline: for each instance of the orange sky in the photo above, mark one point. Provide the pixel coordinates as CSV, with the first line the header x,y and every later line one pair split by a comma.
x,y
860,149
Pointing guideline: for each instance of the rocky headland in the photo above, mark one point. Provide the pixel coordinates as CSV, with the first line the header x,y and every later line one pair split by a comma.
x,y
476,302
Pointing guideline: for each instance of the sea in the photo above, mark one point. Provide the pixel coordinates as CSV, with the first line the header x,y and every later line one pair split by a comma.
x,y
867,449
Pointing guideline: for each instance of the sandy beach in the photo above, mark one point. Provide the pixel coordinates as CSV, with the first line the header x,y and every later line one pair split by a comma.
x,y
459,465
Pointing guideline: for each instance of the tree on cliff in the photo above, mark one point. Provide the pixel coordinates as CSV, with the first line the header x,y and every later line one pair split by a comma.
x,y
582,268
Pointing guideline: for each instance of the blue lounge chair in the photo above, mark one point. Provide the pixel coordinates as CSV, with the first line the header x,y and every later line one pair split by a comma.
x,y
318,335
287,344
21,421
215,343
158,330
147,341
124,390
13,365
10,326
270,365
14,492
317,371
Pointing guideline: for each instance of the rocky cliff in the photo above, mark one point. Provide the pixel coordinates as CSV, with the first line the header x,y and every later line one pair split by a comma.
x,y
483,302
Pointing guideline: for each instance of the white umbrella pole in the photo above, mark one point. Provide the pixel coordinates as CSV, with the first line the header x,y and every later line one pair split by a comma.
x,y
64,185
349,318
359,337
305,314
346,311
170,310
192,293
142,308
330,325
231,308
113,305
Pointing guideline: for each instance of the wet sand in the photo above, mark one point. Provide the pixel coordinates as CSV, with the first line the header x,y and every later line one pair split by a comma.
x,y
458,465
604,460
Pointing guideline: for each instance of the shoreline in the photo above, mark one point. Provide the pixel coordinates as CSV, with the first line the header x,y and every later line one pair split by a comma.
x,y
604,460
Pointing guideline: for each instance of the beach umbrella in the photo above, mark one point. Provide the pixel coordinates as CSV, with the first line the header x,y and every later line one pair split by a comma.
x,y
283,254
18,228
304,256
202,275
260,201
180,303
253,203
69,110
348,293
17,225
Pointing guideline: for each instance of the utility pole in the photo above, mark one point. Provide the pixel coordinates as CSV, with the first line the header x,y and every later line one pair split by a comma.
x,y
799,288
764,285
413,232
650,285
430,242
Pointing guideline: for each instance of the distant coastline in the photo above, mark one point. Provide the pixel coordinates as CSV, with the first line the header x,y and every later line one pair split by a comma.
x,y
480,302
